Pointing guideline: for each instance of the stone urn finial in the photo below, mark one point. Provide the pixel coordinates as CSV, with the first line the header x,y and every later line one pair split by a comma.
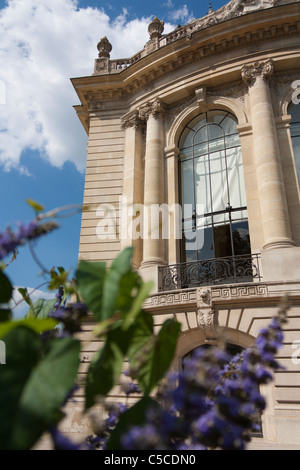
x,y
156,28
104,47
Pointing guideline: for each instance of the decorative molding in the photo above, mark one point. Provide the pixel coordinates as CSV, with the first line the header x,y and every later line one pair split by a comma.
x,y
172,300
248,291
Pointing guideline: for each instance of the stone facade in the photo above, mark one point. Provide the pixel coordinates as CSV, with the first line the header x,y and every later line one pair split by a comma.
x,y
243,59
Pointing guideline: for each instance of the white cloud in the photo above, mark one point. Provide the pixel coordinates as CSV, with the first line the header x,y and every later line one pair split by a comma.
x,y
181,14
42,45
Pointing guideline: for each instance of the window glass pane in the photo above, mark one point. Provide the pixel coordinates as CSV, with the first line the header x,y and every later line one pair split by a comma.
x,y
186,153
215,131
239,215
187,192
229,125
200,149
241,239
190,253
202,184
186,138
220,218
206,249
200,136
217,144
294,111
296,147
222,241
219,189
232,140
216,116
236,177
197,122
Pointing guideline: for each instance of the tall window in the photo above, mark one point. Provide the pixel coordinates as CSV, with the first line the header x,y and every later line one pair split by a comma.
x,y
294,111
215,221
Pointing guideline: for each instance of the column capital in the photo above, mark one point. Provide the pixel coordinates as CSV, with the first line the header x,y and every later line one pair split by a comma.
x,y
132,119
259,69
155,109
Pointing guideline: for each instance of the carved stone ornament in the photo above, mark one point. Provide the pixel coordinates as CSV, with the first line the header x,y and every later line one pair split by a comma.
x,y
132,120
155,28
104,47
262,69
206,314
206,323
231,10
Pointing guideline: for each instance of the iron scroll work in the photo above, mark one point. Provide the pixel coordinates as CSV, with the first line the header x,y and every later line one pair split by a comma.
x,y
233,269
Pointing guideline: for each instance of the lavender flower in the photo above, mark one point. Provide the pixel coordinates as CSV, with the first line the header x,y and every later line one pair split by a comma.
x,y
214,402
9,240
70,316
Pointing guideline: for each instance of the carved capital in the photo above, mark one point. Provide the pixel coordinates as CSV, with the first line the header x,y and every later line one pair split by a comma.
x,y
132,120
154,109
262,70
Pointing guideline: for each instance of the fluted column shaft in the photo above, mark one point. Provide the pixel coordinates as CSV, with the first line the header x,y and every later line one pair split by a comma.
x,y
132,186
272,196
153,245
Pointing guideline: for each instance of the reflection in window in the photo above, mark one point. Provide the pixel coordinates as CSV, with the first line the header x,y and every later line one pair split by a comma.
x,y
215,222
294,111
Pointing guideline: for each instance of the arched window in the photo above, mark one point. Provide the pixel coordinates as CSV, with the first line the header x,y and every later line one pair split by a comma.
x,y
215,221
294,111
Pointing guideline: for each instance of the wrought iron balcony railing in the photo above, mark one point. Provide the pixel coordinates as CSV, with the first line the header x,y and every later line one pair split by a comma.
x,y
241,268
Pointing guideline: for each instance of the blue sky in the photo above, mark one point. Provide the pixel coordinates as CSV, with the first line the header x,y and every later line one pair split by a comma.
x,y
42,143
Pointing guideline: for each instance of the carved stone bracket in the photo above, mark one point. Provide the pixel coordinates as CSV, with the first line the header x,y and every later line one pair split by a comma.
x,y
263,69
206,314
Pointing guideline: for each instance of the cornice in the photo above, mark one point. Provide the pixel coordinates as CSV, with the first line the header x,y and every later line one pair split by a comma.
x,y
236,39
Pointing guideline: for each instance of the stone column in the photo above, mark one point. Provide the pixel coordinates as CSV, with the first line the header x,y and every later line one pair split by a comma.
x,y
131,204
271,190
175,213
153,245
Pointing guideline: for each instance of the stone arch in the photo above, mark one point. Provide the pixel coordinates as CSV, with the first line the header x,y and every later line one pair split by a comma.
x,y
195,337
234,106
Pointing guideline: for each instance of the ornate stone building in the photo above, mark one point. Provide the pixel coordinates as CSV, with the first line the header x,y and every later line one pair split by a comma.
x,y
204,125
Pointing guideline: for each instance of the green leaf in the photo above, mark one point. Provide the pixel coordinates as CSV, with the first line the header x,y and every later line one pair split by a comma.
x,y
5,315
90,279
35,205
142,338
106,365
33,387
155,357
41,308
35,324
137,304
111,288
134,416
6,288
